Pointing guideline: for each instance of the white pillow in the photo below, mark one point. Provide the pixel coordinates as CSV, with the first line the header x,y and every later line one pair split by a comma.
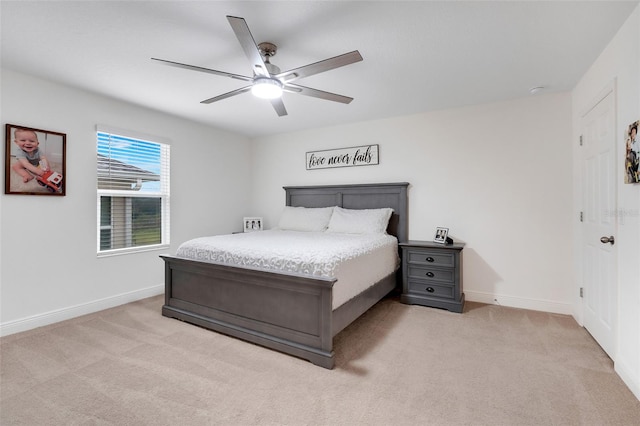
x,y
366,221
305,218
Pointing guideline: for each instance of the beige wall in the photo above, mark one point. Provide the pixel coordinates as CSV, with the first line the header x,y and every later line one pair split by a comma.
x,y
49,270
498,176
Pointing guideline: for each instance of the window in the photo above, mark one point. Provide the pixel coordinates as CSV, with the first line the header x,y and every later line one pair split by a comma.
x,y
133,193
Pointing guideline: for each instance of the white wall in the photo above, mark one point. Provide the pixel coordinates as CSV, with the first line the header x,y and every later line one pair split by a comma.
x,y
618,64
498,176
48,247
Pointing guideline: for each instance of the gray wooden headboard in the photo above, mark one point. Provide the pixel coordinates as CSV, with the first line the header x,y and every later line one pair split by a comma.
x,y
359,196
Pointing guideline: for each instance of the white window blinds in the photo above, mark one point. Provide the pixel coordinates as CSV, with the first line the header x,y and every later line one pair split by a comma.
x,y
133,193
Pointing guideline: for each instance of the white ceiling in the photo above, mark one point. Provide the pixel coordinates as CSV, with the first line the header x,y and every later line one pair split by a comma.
x,y
418,55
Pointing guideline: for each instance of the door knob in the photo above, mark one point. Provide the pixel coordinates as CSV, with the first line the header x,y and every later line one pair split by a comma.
x,y
605,240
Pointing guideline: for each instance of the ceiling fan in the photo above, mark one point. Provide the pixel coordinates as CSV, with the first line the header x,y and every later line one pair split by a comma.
x,y
268,81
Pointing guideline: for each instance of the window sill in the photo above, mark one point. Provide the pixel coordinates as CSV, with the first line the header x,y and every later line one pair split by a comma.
x,y
132,250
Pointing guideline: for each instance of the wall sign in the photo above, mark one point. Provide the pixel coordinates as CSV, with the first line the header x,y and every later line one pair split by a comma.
x,y
366,155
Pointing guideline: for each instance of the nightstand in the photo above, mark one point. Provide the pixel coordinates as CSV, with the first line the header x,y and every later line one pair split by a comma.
x,y
432,275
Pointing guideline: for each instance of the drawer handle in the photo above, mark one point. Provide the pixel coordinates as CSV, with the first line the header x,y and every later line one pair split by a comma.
x,y
430,259
430,289
430,274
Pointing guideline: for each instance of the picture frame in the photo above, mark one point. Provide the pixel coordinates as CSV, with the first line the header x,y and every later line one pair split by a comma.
x,y
251,224
35,161
632,154
441,235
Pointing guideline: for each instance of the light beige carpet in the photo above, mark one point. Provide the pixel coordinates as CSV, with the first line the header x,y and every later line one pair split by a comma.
x,y
396,365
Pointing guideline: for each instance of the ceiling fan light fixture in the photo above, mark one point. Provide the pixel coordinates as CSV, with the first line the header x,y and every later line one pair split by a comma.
x,y
267,88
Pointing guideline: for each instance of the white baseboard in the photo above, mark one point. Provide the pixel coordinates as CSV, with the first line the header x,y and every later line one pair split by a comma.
x,y
24,324
52,317
628,378
519,302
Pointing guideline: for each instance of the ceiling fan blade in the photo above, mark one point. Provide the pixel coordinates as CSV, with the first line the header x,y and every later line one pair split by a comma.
x,y
307,91
226,95
207,70
321,66
278,105
248,44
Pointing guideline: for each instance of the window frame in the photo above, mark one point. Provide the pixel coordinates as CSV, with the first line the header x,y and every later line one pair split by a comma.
x,y
163,194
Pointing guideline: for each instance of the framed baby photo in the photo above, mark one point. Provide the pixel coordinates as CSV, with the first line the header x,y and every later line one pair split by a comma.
x,y
441,235
252,224
35,161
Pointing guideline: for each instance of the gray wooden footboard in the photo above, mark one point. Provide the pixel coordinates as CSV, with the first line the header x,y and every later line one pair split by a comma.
x,y
287,312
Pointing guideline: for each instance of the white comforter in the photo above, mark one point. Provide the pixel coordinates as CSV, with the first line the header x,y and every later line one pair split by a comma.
x,y
356,260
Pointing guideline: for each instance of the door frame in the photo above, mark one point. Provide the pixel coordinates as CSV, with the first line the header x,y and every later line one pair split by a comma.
x,y
608,89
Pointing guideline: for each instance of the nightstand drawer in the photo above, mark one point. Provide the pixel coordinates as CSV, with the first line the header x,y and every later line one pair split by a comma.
x,y
432,289
446,275
436,258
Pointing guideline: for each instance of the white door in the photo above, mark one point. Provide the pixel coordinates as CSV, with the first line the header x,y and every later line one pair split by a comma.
x,y
599,222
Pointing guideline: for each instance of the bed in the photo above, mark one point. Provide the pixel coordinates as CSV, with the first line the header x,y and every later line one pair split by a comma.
x,y
286,311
